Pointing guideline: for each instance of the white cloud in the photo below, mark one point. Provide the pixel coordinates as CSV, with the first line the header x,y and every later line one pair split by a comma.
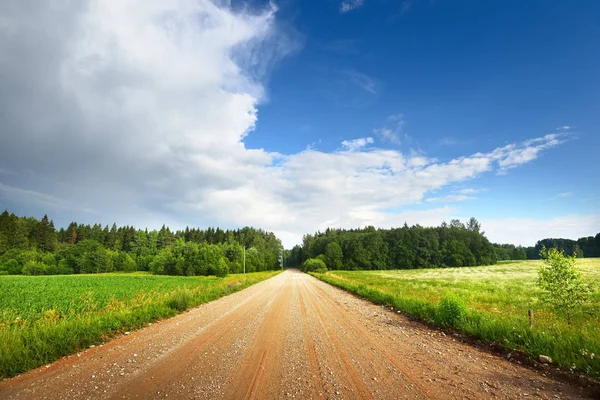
x,y
449,199
392,130
448,141
564,194
361,80
136,112
349,5
469,191
353,145
513,155
527,231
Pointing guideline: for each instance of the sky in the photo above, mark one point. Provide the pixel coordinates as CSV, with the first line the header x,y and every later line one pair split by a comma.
x,y
294,116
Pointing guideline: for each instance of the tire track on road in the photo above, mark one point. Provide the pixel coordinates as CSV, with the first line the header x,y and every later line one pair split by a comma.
x,y
164,371
345,319
265,354
356,380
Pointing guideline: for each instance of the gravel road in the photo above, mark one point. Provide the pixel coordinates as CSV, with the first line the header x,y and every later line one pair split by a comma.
x,y
291,336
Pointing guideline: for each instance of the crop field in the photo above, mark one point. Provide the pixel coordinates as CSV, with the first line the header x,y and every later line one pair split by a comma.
x,y
496,300
43,318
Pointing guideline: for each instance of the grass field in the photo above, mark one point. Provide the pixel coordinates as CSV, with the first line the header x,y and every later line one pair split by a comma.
x,y
497,300
46,317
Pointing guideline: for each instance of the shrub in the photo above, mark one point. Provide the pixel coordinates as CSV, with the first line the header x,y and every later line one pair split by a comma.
x,y
314,265
34,268
222,268
180,300
123,262
561,282
451,311
12,267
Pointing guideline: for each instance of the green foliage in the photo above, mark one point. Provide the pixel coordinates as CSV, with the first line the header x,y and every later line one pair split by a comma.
x,y
334,255
452,245
43,318
180,300
123,262
561,282
582,247
94,249
12,267
314,265
35,267
93,258
451,311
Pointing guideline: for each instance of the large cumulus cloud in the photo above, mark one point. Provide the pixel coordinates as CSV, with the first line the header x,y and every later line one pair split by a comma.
x,y
136,111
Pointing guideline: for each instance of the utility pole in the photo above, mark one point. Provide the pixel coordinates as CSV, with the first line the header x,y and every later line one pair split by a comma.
x,y
244,260
281,259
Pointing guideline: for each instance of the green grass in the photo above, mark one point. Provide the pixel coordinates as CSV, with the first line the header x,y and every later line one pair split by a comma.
x,y
496,300
43,318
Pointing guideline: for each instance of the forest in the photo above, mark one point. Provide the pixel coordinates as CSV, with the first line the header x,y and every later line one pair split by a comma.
x,y
583,247
450,245
35,247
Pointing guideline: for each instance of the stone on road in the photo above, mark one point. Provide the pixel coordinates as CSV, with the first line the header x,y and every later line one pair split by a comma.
x,y
291,336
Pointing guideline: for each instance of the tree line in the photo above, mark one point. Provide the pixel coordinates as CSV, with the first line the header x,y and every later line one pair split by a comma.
x,y
35,247
583,247
449,245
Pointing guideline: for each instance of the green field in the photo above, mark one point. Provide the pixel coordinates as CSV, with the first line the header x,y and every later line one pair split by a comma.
x,y
46,317
497,299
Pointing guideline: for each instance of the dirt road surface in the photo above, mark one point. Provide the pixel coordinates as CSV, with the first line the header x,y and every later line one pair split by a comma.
x,y
291,336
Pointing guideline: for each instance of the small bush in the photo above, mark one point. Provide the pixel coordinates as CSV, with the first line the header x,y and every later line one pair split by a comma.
x,y
180,300
34,268
451,311
12,267
314,265
561,282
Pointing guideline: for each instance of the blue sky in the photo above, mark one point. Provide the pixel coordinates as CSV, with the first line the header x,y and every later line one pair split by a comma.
x,y
467,77
299,115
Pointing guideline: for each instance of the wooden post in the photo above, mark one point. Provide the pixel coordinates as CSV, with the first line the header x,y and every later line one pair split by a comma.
x,y
531,320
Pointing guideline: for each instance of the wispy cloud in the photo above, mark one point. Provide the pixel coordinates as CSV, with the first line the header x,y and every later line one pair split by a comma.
x,y
447,141
349,5
353,145
404,7
313,145
7,172
564,195
470,191
449,199
361,80
393,129
513,155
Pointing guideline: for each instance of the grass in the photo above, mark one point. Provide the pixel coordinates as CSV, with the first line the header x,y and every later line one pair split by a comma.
x,y
490,303
43,318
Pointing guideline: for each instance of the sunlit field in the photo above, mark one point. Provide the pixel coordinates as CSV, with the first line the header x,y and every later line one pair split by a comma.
x,y
497,300
45,317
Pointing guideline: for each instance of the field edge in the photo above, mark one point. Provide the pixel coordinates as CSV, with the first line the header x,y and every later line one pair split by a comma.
x,y
25,350
419,314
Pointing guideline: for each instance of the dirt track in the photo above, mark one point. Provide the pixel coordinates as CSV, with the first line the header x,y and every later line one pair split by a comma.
x,y
291,336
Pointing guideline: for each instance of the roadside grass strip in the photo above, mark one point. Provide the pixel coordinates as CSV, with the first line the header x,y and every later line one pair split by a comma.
x,y
43,318
492,304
